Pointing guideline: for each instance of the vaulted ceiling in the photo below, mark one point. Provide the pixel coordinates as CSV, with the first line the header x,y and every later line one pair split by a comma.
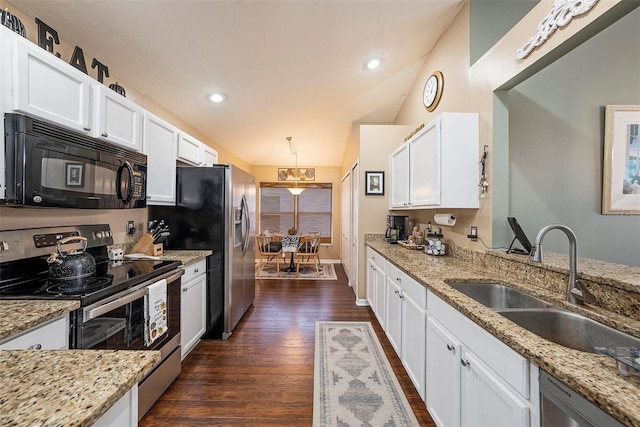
x,y
287,68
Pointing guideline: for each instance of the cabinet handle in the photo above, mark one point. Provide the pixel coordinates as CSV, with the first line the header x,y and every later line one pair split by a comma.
x,y
196,270
35,347
464,362
450,347
105,135
87,128
148,196
185,289
396,292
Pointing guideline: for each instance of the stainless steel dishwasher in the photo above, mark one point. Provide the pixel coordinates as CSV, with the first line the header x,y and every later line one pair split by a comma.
x,y
561,406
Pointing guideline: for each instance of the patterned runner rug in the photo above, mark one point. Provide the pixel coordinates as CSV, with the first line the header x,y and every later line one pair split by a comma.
x,y
307,272
354,384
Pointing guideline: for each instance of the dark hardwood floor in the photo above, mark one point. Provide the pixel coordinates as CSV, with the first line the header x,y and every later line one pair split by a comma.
x,y
263,374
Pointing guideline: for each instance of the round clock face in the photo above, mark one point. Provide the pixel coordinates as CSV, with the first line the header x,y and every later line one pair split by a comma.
x,y
432,91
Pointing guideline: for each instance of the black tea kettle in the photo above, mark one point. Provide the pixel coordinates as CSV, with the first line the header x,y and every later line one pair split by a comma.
x,y
72,265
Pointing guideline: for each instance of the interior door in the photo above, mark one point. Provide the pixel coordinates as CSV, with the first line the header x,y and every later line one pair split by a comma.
x,y
345,223
353,259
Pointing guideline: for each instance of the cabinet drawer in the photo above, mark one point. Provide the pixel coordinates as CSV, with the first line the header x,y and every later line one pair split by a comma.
x,y
506,362
194,270
53,335
408,285
377,259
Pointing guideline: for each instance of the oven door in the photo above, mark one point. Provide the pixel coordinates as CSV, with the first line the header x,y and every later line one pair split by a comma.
x,y
118,322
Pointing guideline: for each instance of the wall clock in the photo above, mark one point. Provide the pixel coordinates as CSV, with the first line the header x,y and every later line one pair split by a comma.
x,y
433,91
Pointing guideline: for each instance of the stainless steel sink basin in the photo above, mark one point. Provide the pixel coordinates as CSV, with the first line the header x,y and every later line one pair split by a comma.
x,y
497,296
569,329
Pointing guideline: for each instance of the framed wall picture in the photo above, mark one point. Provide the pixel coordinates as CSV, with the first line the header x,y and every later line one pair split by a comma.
x,y
621,175
374,183
74,175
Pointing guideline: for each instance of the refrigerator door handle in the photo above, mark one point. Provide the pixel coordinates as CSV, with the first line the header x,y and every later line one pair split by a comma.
x,y
247,225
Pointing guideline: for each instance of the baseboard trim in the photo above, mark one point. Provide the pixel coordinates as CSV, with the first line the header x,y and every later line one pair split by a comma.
x,y
362,303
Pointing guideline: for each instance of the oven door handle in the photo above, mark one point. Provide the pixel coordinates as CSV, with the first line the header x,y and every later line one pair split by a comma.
x,y
112,305
126,299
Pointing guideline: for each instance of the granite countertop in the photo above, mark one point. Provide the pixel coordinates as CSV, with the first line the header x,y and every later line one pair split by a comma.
x,y
186,256
67,387
592,375
20,315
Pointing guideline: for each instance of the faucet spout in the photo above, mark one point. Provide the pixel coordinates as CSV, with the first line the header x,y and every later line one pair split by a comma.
x,y
536,255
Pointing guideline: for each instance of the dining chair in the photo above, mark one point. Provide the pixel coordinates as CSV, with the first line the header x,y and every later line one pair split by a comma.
x,y
308,252
269,251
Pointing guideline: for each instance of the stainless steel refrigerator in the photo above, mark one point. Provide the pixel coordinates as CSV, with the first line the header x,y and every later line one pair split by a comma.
x,y
215,210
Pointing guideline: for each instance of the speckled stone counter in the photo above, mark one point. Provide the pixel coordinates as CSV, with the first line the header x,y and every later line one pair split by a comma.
x,y
186,256
67,387
20,315
594,376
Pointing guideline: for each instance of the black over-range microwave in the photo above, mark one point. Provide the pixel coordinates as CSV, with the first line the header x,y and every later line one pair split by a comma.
x,y
49,166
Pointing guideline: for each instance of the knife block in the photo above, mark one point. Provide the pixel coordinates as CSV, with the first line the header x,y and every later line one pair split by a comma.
x,y
146,246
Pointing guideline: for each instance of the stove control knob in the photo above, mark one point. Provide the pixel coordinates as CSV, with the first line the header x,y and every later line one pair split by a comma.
x,y
4,246
99,235
37,199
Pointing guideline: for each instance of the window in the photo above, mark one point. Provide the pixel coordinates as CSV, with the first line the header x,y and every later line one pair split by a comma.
x,y
310,211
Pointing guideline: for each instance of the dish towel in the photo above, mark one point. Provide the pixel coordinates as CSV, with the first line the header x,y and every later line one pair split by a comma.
x,y
155,312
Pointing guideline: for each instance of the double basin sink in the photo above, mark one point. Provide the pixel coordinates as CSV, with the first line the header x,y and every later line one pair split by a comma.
x,y
545,320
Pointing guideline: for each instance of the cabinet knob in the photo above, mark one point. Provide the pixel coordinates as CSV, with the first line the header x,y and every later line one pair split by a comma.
x,y
105,135
87,128
148,197
185,289
398,279
35,347
450,347
464,362
396,292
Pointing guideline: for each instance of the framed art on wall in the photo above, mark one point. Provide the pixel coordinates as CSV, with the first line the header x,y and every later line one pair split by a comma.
x,y
621,175
374,183
74,175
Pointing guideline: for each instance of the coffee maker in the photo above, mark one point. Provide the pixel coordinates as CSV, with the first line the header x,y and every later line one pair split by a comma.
x,y
397,227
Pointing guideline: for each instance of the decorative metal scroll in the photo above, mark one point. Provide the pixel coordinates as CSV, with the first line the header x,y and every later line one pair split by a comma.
x,y
561,14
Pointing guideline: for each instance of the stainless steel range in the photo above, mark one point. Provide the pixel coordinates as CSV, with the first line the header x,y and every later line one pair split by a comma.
x,y
112,302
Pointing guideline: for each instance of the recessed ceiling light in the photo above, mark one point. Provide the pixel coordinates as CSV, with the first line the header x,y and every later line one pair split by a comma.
x,y
373,63
217,97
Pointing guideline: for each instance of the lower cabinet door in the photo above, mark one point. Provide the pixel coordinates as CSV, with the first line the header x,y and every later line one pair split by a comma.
x,y
414,327
192,313
443,375
394,315
486,400
380,296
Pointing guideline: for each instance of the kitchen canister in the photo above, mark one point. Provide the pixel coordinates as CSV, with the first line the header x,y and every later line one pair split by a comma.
x,y
434,244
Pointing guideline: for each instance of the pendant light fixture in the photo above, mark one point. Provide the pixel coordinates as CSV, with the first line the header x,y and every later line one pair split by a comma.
x,y
295,190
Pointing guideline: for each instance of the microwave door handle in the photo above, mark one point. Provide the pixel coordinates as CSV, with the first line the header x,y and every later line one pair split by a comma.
x,y
130,185
105,308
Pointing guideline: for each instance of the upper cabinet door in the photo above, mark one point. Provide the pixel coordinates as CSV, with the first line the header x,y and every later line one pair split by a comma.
x,y
46,87
159,144
399,171
118,120
209,156
424,166
190,150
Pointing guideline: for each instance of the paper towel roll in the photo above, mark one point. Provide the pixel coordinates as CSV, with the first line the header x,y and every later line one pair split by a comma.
x,y
445,219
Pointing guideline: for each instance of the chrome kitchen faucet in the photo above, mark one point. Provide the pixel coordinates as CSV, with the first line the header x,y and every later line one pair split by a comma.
x,y
577,292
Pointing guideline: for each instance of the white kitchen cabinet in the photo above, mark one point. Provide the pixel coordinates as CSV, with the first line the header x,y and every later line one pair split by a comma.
x,y
118,120
159,142
393,308
123,413
438,166
209,156
376,285
44,86
193,305
371,277
406,323
51,335
399,171
473,379
190,150
443,374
